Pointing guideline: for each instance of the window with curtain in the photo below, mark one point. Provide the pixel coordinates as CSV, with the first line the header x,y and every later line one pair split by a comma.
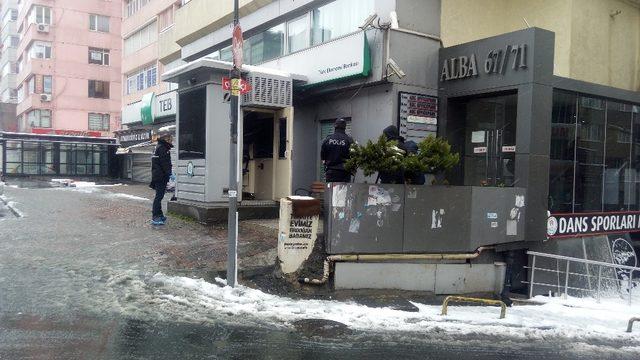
x,y
99,122
98,23
98,89
339,18
298,34
265,46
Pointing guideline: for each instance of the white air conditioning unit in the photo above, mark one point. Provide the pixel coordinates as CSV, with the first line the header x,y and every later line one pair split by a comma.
x,y
43,28
45,97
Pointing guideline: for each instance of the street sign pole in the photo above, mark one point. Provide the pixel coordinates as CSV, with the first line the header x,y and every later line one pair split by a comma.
x,y
232,251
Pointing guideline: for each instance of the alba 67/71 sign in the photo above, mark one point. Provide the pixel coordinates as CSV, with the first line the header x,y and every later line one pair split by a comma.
x,y
497,61
590,224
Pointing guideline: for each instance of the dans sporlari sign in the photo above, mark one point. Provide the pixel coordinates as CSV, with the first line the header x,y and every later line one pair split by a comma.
x,y
589,224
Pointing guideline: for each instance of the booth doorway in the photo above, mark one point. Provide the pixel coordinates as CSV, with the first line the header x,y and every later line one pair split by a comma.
x,y
490,141
266,154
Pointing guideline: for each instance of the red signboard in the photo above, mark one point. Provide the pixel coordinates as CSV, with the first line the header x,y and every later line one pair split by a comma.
x,y
66,132
236,86
226,84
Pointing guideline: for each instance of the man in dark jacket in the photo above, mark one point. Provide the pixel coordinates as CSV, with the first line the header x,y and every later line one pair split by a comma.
x,y
393,177
334,153
160,174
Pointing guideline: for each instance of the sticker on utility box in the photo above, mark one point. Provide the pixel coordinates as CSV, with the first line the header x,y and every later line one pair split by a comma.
x,y
480,150
509,149
492,215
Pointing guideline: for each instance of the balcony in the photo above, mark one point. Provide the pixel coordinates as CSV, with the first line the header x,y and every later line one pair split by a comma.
x,y
8,81
168,49
198,18
32,102
8,55
32,34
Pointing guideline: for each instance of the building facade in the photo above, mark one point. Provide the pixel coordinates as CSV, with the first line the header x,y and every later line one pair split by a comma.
x,y
8,86
68,67
597,41
148,103
549,132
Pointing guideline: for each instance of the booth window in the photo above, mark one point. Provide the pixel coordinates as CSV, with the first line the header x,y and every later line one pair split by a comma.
x,y
192,138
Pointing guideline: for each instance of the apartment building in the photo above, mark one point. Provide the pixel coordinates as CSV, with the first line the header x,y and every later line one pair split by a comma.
x,y
9,40
68,67
142,90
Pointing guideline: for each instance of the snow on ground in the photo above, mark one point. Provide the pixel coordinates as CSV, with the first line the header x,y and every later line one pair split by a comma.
x,y
126,196
580,319
88,187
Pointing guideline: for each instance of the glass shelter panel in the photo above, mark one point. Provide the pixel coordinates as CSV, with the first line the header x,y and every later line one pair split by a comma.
x,y
617,157
590,154
562,154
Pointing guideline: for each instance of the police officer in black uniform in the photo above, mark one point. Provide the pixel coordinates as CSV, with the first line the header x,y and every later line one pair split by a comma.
x,y
334,153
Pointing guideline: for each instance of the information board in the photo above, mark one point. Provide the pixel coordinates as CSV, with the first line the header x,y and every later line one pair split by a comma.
x,y
417,116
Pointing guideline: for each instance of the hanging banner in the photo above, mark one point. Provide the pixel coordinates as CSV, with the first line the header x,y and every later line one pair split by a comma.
x,y
590,224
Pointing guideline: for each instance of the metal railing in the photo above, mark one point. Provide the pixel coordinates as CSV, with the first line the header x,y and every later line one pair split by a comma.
x,y
566,273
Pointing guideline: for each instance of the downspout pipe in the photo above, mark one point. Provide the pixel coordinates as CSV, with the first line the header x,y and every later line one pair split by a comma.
x,y
383,257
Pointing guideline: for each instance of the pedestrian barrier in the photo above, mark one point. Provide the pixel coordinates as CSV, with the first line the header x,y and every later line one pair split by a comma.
x,y
631,321
567,261
503,306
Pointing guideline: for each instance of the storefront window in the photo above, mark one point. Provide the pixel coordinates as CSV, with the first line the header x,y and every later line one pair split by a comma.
x,y
192,137
562,155
617,157
634,177
590,154
339,18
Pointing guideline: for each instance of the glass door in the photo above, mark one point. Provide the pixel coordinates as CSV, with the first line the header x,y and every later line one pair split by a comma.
x,y
490,141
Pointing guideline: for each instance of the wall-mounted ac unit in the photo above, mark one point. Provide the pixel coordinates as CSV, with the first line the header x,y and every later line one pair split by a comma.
x,y
268,90
45,97
43,28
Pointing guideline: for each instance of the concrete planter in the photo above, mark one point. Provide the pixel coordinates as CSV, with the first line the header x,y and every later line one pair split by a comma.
x,y
378,219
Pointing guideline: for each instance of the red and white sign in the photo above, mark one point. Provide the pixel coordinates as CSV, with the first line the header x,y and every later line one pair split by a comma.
x,y
66,132
226,84
236,46
237,86
509,149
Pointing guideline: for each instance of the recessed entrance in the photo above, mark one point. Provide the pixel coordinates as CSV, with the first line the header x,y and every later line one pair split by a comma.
x,y
489,126
266,160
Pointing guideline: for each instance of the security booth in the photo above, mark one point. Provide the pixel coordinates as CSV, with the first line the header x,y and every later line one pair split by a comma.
x,y
203,137
570,144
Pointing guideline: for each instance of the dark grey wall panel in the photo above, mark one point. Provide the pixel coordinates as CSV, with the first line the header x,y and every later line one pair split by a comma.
x,y
437,218
364,218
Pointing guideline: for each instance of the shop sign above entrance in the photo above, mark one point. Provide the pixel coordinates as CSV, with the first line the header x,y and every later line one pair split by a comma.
x,y
340,59
590,224
497,61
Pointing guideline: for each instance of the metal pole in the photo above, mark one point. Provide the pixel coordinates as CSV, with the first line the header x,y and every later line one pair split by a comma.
x,y
533,272
630,284
566,282
599,280
232,249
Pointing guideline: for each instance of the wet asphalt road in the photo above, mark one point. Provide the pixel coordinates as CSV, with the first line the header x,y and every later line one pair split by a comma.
x,y
76,282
